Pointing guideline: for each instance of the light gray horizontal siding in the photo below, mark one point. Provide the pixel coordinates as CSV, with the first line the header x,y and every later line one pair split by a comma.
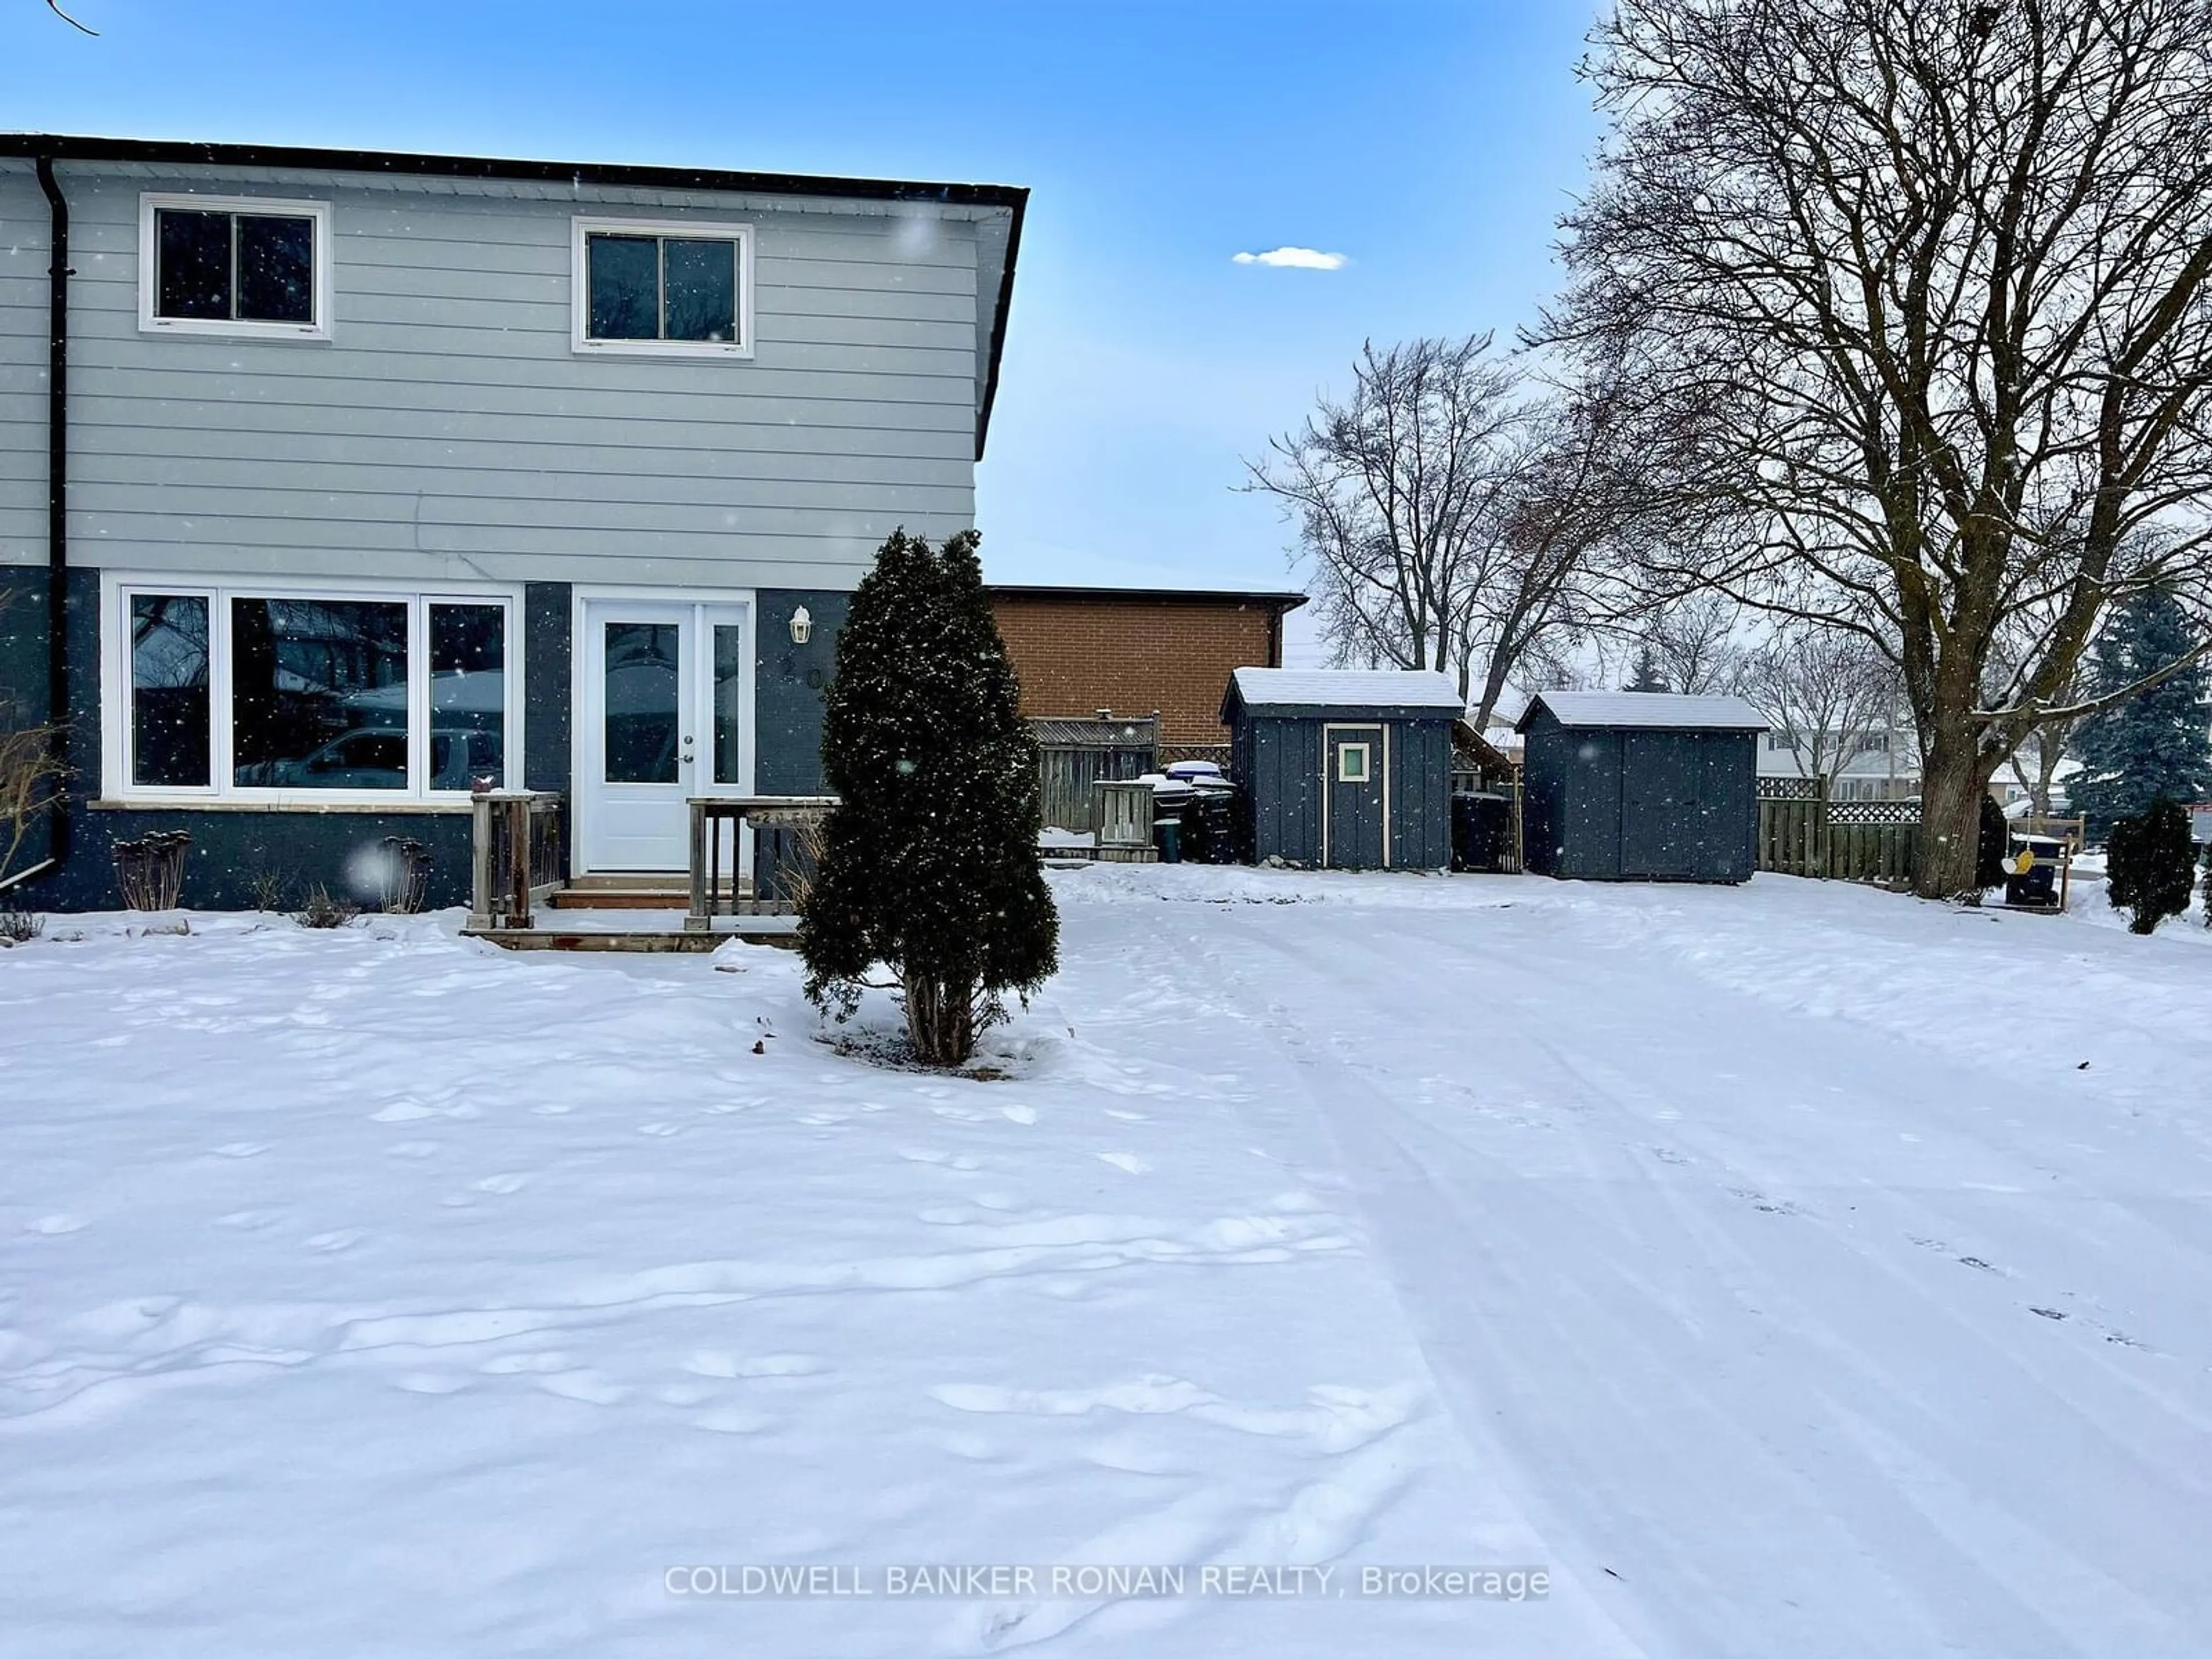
x,y
23,231
450,418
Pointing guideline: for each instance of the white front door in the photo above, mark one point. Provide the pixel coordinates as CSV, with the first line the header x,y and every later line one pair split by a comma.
x,y
665,713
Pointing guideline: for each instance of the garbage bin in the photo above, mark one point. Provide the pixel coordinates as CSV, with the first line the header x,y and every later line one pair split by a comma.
x,y
2031,871
1170,801
1209,822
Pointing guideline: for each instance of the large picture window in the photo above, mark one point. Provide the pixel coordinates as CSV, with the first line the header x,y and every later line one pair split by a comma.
x,y
319,696
676,288
234,265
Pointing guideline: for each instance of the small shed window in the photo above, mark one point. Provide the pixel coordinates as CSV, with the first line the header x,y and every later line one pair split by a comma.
x,y
1351,763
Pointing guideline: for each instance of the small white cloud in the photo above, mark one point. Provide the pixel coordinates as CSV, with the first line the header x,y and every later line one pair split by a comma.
x,y
1295,259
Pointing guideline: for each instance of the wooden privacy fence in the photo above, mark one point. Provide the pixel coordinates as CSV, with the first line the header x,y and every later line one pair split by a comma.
x,y
1075,755
1802,833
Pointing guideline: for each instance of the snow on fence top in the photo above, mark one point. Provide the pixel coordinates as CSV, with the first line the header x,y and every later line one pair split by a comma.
x,y
1664,709
1343,688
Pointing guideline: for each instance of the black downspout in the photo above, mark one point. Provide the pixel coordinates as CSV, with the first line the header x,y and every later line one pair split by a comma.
x,y
58,677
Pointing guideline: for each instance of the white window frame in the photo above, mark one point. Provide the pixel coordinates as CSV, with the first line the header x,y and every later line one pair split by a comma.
x,y
583,228
149,254
1366,762
117,763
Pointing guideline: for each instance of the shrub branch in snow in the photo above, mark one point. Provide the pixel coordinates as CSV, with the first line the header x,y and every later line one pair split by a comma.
x,y
928,865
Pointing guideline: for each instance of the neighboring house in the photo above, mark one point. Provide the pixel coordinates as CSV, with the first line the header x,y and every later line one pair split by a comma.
x,y
1883,764
1137,651
377,476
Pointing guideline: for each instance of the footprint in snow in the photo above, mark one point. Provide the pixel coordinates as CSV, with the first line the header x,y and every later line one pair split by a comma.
x,y
589,1387
344,1238
241,1149
1018,1114
54,1225
527,1365
503,1184
1129,1163
434,1381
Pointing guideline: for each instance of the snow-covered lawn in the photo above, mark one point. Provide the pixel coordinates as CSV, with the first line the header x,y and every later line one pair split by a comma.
x,y
1793,1269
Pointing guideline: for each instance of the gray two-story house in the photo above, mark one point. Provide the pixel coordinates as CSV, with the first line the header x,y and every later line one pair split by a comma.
x,y
334,484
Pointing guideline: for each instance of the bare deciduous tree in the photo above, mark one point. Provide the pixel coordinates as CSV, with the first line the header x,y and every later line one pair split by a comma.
x,y
1692,642
1914,293
1825,690
1448,510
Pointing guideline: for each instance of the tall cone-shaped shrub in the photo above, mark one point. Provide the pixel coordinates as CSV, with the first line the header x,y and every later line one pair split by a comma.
x,y
928,864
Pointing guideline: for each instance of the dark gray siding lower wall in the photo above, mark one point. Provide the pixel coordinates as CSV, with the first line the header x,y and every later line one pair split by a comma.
x,y
233,852
789,683
236,855
548,620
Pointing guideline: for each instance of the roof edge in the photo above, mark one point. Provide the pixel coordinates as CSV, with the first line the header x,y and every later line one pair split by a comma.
x,y
1285,601
72,147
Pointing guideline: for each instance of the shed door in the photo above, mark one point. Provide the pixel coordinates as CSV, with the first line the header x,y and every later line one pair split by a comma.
x,y
1661,822
1353,764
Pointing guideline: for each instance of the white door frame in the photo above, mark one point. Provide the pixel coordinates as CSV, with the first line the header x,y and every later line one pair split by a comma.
x,y
1328,778
585,738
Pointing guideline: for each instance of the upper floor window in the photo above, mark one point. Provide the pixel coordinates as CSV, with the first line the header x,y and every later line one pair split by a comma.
x,y
237,265
677,287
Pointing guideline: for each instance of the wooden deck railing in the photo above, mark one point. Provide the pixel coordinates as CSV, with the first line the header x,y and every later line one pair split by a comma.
x,y
783,827
516,856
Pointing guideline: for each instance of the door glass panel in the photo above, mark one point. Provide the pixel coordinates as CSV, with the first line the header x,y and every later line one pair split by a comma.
x,y
729,684
643,698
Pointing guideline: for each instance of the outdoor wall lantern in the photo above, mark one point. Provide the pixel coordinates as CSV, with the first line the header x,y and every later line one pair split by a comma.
x,y
802,626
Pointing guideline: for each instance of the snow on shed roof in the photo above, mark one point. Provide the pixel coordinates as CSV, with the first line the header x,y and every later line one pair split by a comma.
x,y
1345,688
1663,709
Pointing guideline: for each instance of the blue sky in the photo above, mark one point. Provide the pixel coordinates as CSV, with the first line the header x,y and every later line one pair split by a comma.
x,y
1432,144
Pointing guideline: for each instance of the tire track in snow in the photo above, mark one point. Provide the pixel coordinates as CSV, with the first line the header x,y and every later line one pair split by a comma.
x,y
1735,1372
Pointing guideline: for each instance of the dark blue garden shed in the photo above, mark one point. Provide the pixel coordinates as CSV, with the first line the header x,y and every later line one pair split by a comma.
x,y
1640,786
1349,769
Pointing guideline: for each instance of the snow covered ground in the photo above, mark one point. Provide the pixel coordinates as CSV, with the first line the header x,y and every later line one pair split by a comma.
x,y
1789,1269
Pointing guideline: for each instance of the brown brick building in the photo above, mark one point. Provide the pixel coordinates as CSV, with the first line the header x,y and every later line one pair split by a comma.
x,y
1078,650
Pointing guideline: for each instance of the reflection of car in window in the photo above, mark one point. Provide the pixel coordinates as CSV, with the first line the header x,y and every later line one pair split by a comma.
x,y
375,757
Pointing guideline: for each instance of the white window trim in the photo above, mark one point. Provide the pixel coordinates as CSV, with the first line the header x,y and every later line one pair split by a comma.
x,y
225,328
115,701
580,287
